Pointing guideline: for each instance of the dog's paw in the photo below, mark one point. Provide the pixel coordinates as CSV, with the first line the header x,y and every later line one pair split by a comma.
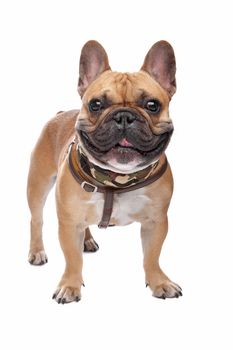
x,y
65,295
167,289
38,259
90,246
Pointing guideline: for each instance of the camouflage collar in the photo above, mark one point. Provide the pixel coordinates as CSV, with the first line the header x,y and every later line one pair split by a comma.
x,y
109,178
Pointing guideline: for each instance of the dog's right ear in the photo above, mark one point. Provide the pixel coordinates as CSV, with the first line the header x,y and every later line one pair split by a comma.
x,y
93,62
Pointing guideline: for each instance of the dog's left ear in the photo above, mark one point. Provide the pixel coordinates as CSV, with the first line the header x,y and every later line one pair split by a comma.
x,y
160,63
93,62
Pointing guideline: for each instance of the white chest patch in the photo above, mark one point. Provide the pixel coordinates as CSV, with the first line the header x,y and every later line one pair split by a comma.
x,y
125,205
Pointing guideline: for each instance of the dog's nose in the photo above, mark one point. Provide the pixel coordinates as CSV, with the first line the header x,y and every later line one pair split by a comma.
x,y
123,119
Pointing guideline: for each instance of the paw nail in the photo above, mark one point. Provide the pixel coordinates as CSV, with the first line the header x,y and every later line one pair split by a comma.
x,y
147,284
77,299
63,301
83,285
59,301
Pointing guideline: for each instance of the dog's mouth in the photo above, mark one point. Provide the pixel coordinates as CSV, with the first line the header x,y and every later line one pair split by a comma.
x,y
125,150
125,140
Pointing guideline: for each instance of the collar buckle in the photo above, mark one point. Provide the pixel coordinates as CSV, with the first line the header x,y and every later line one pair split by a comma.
x,y
87,186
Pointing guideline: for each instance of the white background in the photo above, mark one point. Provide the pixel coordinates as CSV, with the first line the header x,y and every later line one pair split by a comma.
x,y
40,46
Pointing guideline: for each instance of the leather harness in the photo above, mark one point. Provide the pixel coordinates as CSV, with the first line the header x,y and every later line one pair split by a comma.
x,y
90,184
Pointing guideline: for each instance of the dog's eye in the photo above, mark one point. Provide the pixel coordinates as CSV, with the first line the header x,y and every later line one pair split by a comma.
x,y
153,106
95,105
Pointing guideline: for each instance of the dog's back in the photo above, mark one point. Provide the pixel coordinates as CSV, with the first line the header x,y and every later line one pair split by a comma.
x,y
54,139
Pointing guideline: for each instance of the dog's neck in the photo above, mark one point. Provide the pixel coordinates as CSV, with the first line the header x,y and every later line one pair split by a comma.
x,y
110,178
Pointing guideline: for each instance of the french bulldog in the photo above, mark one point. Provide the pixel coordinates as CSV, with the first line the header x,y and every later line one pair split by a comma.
x,y
109,164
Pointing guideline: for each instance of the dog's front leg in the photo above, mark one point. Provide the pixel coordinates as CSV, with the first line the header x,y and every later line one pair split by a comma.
x,y
71,237
153,235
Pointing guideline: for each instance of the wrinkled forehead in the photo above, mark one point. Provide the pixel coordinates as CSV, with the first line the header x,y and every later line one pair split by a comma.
x,y
125,88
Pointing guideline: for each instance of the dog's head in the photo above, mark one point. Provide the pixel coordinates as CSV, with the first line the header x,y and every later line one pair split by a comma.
x,y
124,122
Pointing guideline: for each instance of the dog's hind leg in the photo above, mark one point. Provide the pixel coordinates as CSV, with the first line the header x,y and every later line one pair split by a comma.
x,y
41,178
90,245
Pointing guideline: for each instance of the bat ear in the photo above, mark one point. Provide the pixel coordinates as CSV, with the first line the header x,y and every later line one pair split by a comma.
x,y
160,63
93,62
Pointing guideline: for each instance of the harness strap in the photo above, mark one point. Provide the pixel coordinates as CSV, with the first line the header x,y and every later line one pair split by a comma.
x,y
107,210
108,191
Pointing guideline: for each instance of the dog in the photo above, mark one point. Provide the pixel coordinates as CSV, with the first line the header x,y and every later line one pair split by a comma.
x,y
109,164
